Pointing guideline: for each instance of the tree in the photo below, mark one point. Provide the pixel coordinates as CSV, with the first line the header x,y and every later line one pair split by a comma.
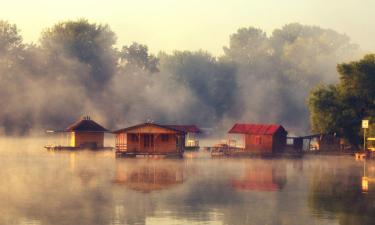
x,y
341,108
137,56
92,45
212,81
276,72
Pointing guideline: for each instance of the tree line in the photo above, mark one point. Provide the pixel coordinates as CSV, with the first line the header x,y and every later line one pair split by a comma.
x,y
75,69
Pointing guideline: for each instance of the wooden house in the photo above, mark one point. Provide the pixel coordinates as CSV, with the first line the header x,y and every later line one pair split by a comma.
x,y
83,134
191,139
261,138
149,139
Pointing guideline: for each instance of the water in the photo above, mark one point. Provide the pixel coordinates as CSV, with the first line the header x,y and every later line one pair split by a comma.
x,y
40,187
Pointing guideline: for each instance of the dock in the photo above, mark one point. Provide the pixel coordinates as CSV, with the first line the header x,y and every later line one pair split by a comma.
x,y
69,148
126,154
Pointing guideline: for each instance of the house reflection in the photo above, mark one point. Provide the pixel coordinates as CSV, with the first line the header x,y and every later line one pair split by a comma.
x,y
368,178
149,177
261,177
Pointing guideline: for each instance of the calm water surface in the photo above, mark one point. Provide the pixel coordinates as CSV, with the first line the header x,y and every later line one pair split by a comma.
x,y
40,187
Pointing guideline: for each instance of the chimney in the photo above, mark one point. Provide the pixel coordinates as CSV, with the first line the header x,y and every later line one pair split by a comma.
x,y
86,118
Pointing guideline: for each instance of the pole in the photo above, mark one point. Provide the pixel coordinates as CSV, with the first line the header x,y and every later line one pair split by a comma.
x,y
364,139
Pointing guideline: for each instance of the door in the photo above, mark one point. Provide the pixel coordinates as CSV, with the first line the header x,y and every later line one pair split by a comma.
x,y
148,141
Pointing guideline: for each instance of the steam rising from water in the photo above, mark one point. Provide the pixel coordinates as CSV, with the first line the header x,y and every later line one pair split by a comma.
x,y
43,187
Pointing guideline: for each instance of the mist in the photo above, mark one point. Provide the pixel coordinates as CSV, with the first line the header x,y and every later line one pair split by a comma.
x,y
95,188
75,69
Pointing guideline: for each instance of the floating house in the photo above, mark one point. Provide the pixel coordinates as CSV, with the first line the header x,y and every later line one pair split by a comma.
x,y
83,134
191,139
149,139
261,138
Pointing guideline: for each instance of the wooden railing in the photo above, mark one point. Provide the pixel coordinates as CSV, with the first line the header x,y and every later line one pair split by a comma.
x,y
192,143
121,147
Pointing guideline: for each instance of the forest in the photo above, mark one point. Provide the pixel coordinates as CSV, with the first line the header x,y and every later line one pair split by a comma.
x,y
78,68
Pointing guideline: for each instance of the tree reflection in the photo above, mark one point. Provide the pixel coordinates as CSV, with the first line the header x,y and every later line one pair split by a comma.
x,y
338,191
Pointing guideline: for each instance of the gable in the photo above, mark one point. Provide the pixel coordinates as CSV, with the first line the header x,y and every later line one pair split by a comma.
x,y
148,128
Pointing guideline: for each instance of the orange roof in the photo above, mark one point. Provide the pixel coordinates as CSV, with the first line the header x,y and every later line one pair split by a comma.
x,y
265,129
124,130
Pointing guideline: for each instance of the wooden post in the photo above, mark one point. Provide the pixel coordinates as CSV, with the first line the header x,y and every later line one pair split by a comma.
x,y
139,141
153,141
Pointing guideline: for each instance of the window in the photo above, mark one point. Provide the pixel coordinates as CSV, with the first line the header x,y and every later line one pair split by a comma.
x,y
258,140
164,137
134,137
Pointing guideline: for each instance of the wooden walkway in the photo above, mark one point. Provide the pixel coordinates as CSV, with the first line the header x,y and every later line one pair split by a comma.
x,y
147,154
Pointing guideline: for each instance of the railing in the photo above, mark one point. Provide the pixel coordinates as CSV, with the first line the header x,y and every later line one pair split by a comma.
x,y
121,147
192,143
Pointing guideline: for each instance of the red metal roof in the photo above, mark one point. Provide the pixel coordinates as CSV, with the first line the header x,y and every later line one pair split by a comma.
x,y
185,128
242,128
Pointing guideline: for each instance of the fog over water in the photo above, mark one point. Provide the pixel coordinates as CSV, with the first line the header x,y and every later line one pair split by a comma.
x,y
40,187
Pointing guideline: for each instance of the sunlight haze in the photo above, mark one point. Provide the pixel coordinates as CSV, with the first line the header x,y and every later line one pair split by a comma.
x,y
192,25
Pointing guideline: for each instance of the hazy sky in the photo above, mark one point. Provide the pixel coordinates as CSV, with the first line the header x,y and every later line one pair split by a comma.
x,y
193,24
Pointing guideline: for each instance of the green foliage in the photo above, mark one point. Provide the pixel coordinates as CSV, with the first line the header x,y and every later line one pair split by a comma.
x,y
259,78
341,108
213,82
10,39
137,56
275,72
88,43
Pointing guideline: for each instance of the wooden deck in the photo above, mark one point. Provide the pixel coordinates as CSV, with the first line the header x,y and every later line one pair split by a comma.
x,y
69,148
126,154
191,148
227,151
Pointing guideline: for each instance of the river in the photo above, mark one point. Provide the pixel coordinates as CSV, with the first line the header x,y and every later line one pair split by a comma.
x,y
51,188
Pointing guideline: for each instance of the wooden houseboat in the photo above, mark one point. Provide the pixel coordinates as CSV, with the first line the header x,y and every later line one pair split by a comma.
x,y
191,140
149,139
257,140
83,134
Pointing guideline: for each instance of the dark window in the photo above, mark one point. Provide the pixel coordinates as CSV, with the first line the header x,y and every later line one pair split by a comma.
x,y
134,137
164,137
258,140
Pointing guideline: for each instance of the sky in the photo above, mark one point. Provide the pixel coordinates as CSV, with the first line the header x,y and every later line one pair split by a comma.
x,y
167,25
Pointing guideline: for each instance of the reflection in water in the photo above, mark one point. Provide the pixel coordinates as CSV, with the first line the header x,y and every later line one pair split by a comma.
x,y
149,177
342,189
261,176
368,177
89,188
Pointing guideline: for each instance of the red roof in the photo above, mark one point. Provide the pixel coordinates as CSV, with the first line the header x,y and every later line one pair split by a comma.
x,y
260,129
185,128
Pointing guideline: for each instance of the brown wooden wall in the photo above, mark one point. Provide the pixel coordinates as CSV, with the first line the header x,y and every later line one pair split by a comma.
x,y
265,143
258,143
89,139
136,143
